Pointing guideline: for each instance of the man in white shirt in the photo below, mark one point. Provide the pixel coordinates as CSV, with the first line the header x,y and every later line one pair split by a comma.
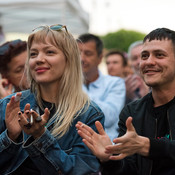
x,y
107,91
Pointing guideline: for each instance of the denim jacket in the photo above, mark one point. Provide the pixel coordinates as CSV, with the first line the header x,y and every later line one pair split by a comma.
x,y
67,155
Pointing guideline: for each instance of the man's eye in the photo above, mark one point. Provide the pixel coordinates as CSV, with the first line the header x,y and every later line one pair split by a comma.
x,y
144,56
159,55
88,53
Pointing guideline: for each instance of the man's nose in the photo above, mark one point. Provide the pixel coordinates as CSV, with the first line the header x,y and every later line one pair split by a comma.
x,y
151,59
82,56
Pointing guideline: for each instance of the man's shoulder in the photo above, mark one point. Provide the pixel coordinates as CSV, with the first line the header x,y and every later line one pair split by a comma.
x,y
92,106
147,100
112,79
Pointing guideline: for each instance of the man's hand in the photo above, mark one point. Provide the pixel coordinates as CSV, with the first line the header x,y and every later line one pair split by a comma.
x,y
134,82
95,142
128,144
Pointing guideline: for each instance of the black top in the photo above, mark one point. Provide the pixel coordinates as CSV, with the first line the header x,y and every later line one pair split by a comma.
x,y
160,113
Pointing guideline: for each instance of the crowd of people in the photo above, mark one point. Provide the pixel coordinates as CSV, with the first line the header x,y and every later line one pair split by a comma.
x,y
59,114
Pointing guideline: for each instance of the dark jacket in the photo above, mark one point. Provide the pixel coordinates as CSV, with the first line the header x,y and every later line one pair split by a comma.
x,y
145,125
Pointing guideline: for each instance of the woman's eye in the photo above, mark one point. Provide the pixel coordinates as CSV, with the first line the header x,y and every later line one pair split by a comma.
x,y
20,69
32,54
50,52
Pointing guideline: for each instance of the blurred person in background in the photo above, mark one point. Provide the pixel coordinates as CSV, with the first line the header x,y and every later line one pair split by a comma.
x,y
135,86
107,91
13,55
117,64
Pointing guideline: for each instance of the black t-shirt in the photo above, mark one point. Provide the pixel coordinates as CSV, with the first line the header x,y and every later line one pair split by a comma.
x,y
160,113
28,167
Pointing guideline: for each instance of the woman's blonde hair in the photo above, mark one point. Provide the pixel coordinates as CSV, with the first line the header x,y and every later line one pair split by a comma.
x,y
70,96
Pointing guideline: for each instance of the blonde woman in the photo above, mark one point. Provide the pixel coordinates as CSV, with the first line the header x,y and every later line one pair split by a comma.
x,y
37,131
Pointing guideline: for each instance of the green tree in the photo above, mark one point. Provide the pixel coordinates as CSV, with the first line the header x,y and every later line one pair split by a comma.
x,y
121,39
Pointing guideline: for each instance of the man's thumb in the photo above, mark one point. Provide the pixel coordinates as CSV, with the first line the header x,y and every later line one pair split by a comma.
x,y
129,124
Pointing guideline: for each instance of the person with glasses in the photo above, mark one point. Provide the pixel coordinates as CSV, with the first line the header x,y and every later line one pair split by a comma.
x,y
37,130
146,142
13,55
107,91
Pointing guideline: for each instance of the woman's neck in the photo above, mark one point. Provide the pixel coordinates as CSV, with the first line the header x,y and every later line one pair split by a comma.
x,y
49,93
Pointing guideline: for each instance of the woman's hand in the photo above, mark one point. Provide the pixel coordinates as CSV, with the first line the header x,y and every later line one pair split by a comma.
x,y
95,142
11,117
5,88
33,124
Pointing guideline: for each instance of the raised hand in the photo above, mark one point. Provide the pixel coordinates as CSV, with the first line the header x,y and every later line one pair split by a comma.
x,y
128,144
132,83
95,142
32,123
144,89
11,117
5,88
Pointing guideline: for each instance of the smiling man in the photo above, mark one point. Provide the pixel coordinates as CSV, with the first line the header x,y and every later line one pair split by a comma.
x,y
146,142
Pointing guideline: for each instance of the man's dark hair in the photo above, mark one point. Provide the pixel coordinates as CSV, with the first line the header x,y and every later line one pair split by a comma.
x,y
8,51
161,34
90,37
117,52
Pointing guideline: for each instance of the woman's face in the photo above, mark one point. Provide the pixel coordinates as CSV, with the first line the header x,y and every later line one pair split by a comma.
x,y
47,63
16,71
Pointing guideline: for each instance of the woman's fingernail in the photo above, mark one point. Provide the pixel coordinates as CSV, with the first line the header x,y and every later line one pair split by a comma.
x,y
31,110
17,98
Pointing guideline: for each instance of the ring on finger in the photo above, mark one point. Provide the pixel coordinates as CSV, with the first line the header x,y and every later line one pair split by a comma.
x,y
38,119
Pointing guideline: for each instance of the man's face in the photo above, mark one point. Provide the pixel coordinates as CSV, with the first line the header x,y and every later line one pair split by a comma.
x,y
115,65
157,66
89,57
135,58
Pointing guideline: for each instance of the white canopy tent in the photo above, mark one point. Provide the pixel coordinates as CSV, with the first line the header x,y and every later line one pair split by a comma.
x,y
22,16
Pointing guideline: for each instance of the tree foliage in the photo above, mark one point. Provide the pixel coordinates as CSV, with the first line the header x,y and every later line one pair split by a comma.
x,y
121,39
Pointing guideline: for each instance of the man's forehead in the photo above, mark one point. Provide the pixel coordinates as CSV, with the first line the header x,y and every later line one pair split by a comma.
x,y
87,45
157,44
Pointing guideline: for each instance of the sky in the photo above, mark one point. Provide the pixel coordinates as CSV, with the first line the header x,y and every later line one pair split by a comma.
x,y
140,15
